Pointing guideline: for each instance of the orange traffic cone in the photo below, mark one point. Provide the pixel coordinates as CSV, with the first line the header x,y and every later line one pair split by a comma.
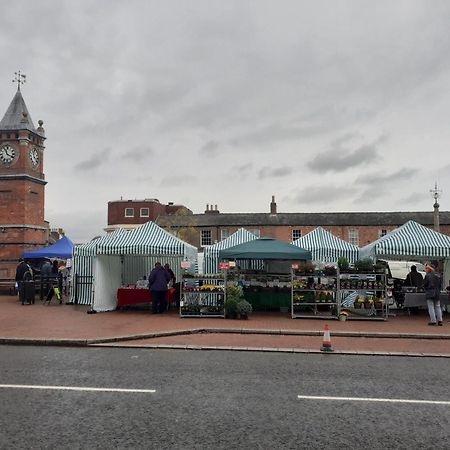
x,y
326,343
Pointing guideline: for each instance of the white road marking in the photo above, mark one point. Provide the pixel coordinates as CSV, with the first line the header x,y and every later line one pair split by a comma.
x,y
368,399
76,388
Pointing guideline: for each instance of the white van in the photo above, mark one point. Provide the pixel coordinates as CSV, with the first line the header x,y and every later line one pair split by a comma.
x,y
399,269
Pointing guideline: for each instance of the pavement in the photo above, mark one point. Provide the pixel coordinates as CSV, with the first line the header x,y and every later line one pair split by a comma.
x,y
71,325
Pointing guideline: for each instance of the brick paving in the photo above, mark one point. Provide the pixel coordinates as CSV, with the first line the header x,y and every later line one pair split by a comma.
x,y
50,323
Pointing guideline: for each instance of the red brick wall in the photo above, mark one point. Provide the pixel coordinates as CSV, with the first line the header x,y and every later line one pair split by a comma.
x,y
21,203
116,211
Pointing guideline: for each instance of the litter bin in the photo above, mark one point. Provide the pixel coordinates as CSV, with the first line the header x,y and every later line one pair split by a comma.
x,y
26,292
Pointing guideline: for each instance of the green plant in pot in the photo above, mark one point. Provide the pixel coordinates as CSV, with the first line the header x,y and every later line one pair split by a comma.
x,y
231,310
244,308
235,294
343,264
364,265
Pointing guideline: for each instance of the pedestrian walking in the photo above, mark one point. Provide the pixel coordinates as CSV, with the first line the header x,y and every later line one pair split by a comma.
x,y
157,283
432,286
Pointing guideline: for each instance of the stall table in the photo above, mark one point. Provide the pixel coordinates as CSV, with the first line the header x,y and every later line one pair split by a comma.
x,y
132,296
416,299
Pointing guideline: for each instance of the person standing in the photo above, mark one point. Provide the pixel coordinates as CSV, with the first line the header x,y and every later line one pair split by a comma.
x,y
414,279
157,283
173,279
22,269
432,286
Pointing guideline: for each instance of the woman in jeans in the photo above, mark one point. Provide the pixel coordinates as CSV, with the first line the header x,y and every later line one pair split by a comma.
x,y
432,286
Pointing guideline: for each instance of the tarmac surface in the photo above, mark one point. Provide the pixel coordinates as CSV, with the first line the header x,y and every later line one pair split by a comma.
x,y
70,325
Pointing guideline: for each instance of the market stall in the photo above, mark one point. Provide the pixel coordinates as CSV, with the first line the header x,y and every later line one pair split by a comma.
x,y
131,296
61,249
211,252
413,241
83,268
268,288
326,247
123,259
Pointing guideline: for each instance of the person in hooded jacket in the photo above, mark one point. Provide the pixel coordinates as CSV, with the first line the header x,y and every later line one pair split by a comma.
x,y
157,283
432,286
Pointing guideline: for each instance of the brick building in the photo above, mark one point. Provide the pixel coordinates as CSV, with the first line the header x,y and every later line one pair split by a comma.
x,y
22,186
359,228
129,214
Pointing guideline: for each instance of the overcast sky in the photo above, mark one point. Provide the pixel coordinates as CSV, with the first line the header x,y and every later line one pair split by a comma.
x,y
328,105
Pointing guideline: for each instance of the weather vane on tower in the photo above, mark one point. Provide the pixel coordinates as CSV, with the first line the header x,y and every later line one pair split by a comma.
x,y
436,193
19,78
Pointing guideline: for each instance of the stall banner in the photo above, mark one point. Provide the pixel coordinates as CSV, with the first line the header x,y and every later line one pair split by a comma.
x,y
185,264
224,265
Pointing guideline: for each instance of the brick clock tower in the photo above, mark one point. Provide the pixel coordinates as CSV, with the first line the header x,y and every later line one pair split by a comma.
x,y
22,184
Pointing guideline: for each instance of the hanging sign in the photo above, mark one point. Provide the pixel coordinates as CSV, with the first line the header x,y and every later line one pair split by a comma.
x,y
185,264
224,265
295,266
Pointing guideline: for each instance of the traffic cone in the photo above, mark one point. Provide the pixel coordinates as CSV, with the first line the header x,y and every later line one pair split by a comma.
x,y
326,343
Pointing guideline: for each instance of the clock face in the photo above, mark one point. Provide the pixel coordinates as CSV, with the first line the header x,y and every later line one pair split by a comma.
x,y
34,156
7,154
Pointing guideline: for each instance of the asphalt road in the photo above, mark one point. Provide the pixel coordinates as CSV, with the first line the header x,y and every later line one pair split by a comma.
x,y
219,400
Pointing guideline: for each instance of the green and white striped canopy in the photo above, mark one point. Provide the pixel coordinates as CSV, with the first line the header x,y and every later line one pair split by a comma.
x,y
410,240
90,248
326,247
147,239
211,253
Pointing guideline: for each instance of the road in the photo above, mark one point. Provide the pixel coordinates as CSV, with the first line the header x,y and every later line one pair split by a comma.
x,y
219,400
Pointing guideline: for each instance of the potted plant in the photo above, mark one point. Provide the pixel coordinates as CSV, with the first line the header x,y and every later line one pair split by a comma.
x,y
343,264
235,295
231,310
244,308
364,265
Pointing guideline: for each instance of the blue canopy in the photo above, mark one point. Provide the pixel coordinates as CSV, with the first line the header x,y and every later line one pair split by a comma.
x,y
62,249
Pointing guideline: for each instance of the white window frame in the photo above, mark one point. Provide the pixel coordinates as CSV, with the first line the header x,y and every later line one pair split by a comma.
x,y
224,233
127,210
203,238
353,236
296,230
144,215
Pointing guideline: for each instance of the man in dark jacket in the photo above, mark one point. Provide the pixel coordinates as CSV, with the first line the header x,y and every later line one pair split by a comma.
x,y
157,283
414,279
432,286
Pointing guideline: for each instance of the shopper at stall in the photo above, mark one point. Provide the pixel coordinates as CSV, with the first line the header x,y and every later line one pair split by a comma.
x,y
414,279
21,274
432,286
157,283
173,278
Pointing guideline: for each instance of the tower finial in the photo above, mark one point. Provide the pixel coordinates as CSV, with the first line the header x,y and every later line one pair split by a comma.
x,y
19,78
436,192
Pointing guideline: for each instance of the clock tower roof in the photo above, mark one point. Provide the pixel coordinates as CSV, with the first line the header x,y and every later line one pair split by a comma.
x,y
17,116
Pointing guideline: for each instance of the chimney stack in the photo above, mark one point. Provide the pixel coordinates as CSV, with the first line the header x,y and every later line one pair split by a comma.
x,y
273,206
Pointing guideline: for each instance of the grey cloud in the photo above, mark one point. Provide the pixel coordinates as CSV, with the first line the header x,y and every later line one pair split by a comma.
x,y
321,195
335,161
210,149
381,178
137,154
339,159
414,198
274,172
94,162
179,180
242,170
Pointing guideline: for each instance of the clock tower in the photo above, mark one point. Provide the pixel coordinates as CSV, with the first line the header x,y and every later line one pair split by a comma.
x,y
22,184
